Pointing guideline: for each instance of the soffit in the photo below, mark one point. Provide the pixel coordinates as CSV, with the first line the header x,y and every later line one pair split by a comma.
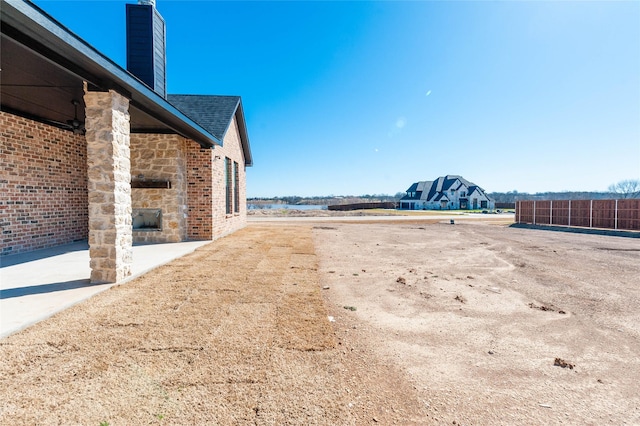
x,y
43,67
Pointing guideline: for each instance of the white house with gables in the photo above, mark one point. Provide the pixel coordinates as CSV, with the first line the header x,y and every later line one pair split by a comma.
x,y
451,192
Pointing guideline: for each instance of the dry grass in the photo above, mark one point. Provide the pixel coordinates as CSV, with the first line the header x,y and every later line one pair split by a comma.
x,y
235,333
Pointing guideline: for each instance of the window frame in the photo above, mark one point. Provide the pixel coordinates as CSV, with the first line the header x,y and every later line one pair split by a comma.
x,y
228,186
236,188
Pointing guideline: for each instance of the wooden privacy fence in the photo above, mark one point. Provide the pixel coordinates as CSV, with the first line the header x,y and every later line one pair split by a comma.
x,y
505,205
608,214
362,206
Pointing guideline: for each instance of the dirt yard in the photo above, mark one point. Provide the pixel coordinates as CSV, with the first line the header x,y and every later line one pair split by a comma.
x,y
346,324
491,324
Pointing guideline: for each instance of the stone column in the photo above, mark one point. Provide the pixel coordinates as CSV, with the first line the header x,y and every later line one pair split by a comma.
x,y
109,184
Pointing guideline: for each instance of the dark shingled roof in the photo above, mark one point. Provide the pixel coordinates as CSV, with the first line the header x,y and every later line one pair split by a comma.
x,y
437,189
215,113
413,188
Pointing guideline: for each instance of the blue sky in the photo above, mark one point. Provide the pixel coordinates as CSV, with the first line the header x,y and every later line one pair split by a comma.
x,y
350,98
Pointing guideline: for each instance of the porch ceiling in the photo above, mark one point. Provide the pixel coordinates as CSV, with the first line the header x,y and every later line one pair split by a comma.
x,y
43,67
34,87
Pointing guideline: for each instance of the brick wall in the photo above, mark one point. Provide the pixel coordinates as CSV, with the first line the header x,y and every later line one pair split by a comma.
x,y
161,157
199,194
224,224
43,185
208,219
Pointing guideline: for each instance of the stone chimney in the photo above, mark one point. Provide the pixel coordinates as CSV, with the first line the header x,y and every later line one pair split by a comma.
x,y
146,47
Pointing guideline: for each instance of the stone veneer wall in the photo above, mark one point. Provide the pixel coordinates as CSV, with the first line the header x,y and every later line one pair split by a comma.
x,y
161,157
43,185
109,173
206,188
43,188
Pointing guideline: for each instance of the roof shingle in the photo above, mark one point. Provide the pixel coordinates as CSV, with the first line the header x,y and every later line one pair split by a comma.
x,y
215,114
212,112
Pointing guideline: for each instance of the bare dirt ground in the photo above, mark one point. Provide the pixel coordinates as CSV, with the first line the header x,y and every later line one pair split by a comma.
x,y
431,324
492,324
258,213
292,212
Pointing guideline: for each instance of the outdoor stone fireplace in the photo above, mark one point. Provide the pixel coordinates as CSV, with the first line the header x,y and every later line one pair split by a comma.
x,y
147,220
158,188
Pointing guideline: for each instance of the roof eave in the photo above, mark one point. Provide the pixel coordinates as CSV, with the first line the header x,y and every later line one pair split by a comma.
x,y
244,135
95,68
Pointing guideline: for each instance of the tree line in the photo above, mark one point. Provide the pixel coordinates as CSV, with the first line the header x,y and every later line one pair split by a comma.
x,y
629,188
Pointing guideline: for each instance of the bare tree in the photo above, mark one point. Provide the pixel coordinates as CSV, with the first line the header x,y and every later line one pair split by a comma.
x,y
628,188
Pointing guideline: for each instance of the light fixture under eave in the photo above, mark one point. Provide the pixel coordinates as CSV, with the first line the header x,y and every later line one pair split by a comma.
x,y
77,126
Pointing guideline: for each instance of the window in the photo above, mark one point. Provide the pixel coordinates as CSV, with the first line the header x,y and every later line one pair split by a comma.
x,y
483,204
463,194
229,185
453,191
236,188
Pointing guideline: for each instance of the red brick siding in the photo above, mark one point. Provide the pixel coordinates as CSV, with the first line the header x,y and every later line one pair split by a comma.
x,y
206,188
43,186
199,221
231,148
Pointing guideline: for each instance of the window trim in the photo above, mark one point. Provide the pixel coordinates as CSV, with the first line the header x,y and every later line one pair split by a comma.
x,y
228,186
236,188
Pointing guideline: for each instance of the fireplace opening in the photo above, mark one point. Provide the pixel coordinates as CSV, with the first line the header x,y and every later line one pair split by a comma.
x,y
147,220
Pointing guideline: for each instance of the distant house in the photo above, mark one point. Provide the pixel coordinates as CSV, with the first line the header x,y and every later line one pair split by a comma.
x,y
450,192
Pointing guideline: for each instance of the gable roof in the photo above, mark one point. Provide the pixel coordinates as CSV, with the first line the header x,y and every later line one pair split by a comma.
x,y
39,52
413,187
474,188
424,185
419,186
215,113
436,190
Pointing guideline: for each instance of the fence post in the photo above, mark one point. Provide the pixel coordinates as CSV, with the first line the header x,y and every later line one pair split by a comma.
x,y
534,212
569,213
551,212
591,214
616,216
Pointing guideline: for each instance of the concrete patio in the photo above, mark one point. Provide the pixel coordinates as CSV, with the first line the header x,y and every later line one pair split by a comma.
x,y
37,284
